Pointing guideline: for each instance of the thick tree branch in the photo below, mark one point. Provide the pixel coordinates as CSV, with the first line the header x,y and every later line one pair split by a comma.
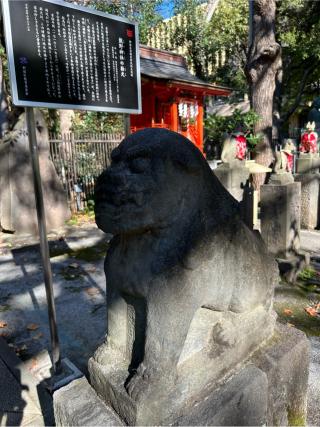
x,y
302,85
211,7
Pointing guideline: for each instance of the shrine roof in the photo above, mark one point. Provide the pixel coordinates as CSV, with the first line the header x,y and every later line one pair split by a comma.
x,y
165,65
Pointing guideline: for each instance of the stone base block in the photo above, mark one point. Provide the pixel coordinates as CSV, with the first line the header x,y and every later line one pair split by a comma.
x,y
285,361
310,184
234,179
216,343
269,389
242,401
280,218
77,404
307,163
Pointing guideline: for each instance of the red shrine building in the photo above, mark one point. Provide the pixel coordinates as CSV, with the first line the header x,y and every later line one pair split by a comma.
x,y
172,98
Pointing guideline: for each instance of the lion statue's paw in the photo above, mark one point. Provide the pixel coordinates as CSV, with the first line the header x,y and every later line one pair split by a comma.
x,y
141,381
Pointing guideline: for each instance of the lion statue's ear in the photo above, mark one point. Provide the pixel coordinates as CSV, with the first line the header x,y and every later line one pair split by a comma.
x,y
187,160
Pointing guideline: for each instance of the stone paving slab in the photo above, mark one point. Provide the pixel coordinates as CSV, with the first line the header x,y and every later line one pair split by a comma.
x,y
79,289
23,402
314,384
310,242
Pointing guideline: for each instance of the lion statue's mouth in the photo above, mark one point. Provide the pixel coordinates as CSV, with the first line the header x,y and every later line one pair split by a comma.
x,y
117,205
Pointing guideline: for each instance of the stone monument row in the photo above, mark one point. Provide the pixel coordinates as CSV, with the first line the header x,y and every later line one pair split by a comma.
x,y
17,202
308,165
281,212
192,337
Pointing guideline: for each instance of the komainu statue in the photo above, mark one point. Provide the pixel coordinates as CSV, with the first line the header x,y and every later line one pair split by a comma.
x,y
189,286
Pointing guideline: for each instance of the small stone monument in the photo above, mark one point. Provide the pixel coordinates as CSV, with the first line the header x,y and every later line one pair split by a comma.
x,y
281,215
308,161
191,336
308,175
232,173
284,164
17,200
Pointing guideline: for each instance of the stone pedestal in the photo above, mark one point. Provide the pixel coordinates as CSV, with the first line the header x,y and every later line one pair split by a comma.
x,y
234,177
307,163
310,199
215,344
269,388
280,217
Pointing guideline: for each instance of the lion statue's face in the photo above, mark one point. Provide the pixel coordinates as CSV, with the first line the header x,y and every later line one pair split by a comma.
x,y
147,185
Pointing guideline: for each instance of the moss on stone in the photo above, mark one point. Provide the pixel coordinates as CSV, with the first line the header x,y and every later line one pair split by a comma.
x,y
92,253
296,419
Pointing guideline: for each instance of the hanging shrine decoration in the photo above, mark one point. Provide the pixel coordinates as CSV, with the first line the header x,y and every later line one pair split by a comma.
x,y
188,113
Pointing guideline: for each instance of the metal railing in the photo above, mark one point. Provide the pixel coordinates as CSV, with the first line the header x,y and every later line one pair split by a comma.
x,y
79,158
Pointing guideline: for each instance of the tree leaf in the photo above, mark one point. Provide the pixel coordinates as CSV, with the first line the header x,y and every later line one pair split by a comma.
x,y
32,327
92,291
311,311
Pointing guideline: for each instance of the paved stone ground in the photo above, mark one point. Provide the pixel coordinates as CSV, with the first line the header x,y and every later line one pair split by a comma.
x,y
23,401
310,241
290,304
79,286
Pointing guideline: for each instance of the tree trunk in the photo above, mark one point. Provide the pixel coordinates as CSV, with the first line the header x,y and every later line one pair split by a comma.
x,y
262,66
4,123
277,104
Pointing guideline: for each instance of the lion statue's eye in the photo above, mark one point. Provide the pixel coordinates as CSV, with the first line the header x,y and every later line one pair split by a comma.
x,y
139,164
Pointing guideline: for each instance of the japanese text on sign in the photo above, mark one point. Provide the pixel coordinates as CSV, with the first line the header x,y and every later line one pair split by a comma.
x,y
69,56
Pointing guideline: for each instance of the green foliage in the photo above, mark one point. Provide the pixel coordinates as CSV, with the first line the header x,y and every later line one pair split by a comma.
x,y
298,28
217,126
97,122
228,28
307,273
89,209
225,34
141,11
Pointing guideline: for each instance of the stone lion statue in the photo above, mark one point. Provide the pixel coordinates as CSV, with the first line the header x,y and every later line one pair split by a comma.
x,y
180,253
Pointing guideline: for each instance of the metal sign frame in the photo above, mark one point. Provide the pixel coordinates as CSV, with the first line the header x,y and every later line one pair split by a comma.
x,y
12,71
34,152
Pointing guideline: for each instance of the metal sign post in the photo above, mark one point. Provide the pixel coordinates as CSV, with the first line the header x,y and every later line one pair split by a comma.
x,y
44,246
62,55
126,121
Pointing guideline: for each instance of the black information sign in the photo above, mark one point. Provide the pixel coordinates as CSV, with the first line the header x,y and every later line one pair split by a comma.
x,y
67,56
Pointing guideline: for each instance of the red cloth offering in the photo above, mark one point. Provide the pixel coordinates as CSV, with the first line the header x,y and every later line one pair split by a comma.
x,y
241,145
308,143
